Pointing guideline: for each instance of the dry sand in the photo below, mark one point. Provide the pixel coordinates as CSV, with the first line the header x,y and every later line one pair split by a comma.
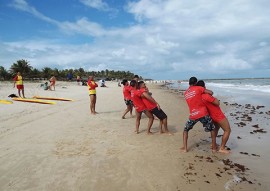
x,y
63,147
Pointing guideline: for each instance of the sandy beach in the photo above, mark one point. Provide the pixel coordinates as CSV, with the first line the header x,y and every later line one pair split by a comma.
x,y
62,147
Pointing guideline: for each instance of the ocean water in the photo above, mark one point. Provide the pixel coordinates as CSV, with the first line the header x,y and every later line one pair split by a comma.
x,y
244,96
243,91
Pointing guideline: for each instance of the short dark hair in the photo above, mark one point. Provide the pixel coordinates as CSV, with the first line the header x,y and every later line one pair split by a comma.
x,y
193,80
200,83
124,81
133,83
136,76
140,83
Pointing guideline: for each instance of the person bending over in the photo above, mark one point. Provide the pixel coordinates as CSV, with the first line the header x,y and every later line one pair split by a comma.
x,y
140,108
154,108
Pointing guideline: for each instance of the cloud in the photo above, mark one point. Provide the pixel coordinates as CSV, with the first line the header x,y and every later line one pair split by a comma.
x,y
97,4
23,6
168,38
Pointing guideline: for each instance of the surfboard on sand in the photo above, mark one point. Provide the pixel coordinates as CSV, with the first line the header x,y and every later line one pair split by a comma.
x,y
5,101
33,100
52,98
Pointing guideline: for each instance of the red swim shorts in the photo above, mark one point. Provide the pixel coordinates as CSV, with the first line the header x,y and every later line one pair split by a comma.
x,y
20,87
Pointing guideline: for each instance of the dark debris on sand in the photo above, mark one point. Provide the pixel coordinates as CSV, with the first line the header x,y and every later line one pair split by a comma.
x,y
243,116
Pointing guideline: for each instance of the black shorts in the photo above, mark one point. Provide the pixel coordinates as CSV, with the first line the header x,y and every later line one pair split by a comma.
x,y
128,102
206,121
159,113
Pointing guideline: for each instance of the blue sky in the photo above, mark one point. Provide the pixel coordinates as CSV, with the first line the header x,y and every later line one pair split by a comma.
x,y
172,39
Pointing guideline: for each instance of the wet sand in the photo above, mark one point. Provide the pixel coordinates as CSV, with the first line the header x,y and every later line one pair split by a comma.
x,y
63,147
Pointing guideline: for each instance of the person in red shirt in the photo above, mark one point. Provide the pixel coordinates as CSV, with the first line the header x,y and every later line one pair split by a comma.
x,y
18,80
127,98
154,108
92,93
198,112
217,116
140,107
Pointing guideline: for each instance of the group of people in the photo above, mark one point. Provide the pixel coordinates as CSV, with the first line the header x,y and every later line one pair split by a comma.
x,y
137,95
203,107
18,81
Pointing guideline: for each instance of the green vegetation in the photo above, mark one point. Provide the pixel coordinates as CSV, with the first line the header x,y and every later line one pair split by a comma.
x,y
30,73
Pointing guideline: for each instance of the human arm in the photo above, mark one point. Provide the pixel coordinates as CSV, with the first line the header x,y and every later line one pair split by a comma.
x,y
208,91
14,79
216,102
147,96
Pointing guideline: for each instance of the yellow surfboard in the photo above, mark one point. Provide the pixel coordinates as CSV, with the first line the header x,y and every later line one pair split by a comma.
x,y
52,98
33,100
5,101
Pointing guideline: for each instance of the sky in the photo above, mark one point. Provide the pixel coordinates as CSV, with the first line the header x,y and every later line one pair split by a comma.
x,y
157,39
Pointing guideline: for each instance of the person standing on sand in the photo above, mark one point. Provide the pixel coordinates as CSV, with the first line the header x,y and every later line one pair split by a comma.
x,y
140,108
78,80
52,83
154,108
18,80
92,94
127,98
218,117
198,112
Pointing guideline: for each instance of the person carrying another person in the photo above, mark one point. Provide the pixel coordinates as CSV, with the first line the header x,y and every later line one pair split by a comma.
x,y
18,80
140,108
198,112
127,98
92,94
218,117
154,107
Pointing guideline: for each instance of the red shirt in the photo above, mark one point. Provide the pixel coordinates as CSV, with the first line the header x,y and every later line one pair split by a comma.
x,y
127,92
197,108
137,100
149,105
214,110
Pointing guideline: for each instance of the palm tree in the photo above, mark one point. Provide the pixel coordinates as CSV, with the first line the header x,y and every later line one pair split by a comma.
x,y
46,72
21,66
4,75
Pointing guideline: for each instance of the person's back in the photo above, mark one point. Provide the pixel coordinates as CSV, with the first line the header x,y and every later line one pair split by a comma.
x,y
193,97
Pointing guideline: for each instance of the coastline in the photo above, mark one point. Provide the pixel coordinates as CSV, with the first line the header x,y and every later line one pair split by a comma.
x,y
63,147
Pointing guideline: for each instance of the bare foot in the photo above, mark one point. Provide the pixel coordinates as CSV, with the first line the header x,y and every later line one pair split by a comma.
x,y
150,133
161,132
123,117
182,149
137,131
212,146
214,150
224,151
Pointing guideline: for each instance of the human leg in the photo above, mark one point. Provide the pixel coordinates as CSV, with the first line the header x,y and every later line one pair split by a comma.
x,y
150,121
160,127
185,139
23,93
92,103
225,125
19,92
128,109
189,125
138,119
209,126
